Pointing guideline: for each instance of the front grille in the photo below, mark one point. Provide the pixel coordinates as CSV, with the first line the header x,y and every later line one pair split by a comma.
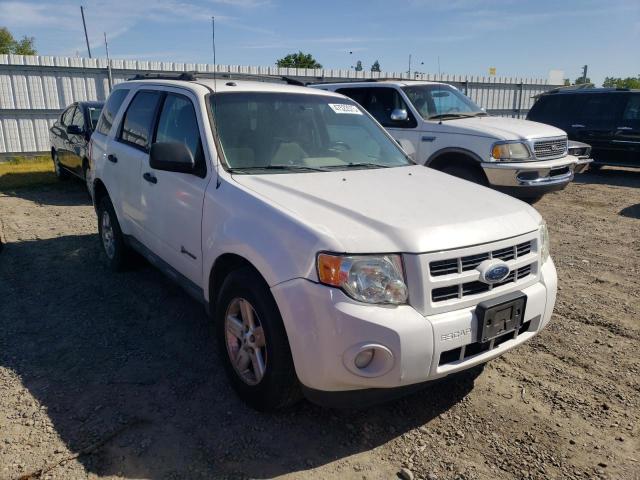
x,y
460,266
464,264
462,290
550,148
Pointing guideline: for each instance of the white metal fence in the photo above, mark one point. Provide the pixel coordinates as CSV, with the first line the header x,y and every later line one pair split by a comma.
x,y
34,89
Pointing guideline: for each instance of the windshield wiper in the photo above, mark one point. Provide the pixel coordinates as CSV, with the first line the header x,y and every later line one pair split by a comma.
x,y
452,115
291,168
360,165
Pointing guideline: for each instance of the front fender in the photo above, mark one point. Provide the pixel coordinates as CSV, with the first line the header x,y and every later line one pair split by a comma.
x,y
278,245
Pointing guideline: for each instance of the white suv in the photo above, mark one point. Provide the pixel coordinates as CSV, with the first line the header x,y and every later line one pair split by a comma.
x,y
328,259
441,128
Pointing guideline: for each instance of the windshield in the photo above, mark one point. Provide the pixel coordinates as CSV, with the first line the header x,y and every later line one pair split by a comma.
x,y
441,101
290,132
94,115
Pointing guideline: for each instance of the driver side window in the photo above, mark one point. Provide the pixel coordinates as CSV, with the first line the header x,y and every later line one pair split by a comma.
x,y
380,102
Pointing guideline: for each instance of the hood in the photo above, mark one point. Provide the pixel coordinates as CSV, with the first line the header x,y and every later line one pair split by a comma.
x,y
503,128
406,209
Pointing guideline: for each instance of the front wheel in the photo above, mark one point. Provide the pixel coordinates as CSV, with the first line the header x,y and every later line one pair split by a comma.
x,y
253,342
59,170
466,172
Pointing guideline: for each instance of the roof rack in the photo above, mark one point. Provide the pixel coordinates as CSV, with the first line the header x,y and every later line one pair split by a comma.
x,y
186,76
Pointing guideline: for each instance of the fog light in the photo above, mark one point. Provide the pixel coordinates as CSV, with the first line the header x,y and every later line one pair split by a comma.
x,y
364,358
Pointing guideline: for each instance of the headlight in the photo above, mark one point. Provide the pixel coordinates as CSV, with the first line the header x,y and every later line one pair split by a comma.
x,y
367,278
544,241
510,151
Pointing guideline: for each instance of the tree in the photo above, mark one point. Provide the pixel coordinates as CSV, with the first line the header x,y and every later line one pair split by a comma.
x,y
376,66
629,82
358,67
9,45
580,81
298,60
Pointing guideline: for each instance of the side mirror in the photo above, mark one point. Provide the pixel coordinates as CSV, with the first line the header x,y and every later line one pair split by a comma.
x,y
74,130
171,157
399,115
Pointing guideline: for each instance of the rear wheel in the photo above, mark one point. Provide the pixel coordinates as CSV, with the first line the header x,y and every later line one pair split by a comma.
x,y
253,342
111,236
60,172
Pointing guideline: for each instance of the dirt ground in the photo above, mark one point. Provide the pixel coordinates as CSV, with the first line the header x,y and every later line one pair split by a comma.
x,y
117,375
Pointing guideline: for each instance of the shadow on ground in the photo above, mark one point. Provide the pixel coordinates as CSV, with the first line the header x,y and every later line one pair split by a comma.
x,y
621,177
131,353
67,193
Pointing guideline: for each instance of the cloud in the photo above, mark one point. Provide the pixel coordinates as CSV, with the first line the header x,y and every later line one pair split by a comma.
x,y
243,3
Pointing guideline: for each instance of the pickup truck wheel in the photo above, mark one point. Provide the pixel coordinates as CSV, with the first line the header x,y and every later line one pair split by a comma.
x,y
86,176
60,172
254,344
469,173
111,235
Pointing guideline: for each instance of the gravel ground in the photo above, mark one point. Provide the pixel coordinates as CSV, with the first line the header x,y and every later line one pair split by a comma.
x,y
117,375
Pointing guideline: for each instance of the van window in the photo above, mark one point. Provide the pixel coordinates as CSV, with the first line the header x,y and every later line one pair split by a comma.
x,y
136,125
110,110
178,124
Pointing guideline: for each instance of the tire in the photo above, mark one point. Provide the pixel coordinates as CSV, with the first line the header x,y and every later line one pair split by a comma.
x,y
469,173
61,173
111,236
253,343
85,176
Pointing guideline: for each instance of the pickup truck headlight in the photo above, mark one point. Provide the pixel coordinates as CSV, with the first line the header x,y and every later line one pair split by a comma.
x,y
367,278
510,151
544,241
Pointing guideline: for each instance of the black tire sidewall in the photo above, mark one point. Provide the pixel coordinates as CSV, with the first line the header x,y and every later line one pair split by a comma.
x,y
279,385
117,262
465,173
58,169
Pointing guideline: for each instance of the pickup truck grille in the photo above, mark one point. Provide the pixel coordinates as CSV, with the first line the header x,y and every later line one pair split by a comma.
x,y
550,148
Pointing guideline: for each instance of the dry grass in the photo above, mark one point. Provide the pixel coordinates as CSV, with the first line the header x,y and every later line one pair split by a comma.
x,y
23,172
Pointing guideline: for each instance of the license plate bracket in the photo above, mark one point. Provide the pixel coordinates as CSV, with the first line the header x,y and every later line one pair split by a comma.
x,y
500,315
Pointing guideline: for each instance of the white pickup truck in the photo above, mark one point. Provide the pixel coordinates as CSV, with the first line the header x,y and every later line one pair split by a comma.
x,y
441,128
330,262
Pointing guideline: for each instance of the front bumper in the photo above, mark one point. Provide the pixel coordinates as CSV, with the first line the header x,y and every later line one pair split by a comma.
x,y
532,178
326,329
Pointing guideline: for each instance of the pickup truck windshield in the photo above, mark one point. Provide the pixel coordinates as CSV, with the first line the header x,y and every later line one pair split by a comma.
x,y
441,102
273,132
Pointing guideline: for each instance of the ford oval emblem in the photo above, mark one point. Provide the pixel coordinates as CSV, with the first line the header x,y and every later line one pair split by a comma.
x,y
493,271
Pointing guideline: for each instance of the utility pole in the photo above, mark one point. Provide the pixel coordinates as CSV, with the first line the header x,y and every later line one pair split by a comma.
x,y
584,74
110,77
84,24
409,72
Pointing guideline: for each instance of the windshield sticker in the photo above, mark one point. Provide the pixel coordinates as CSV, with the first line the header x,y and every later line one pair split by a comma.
x,y
345,108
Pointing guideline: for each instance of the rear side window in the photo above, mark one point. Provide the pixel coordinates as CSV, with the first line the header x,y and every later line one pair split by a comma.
x,y
78,118
632,109
178,124
137,122
110,110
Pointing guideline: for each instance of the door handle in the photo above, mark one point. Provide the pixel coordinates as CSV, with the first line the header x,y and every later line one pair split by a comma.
x,y
577,125
149,177
112,158
624,128
426,138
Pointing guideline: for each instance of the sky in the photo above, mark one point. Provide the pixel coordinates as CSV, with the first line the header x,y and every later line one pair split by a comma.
x,y
519,38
